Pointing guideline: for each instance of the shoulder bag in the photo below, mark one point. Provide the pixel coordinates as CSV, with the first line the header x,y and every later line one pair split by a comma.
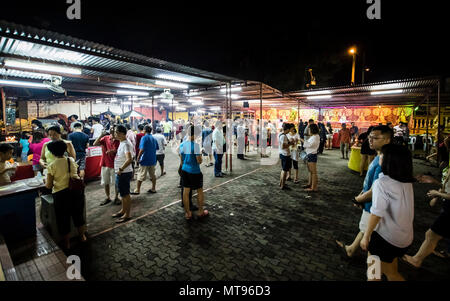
x,y
75,185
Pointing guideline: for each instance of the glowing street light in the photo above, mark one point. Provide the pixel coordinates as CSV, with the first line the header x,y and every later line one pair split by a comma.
x,y
352,51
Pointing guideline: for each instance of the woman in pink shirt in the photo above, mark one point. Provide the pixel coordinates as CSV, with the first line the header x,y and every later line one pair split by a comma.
x,y
36,148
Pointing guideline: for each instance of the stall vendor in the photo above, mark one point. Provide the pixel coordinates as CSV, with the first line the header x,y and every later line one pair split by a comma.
x,y
54,133
7,169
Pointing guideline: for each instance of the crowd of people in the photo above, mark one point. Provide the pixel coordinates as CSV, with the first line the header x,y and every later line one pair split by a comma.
x,y
386,200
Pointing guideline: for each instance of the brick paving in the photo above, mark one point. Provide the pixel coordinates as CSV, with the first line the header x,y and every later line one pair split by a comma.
x,y
254,231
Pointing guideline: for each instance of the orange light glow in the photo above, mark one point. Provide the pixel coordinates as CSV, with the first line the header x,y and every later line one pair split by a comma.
x,y
352,50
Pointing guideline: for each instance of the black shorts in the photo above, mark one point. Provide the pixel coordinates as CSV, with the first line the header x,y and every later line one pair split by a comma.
x,y
123,183
387,252
286,162
295,163
68,206
192,180
160,159
441,225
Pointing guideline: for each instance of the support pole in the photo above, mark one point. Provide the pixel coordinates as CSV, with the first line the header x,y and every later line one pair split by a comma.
x,y
4,109
260,119
298,113
226,126
428,112
153,110
439,122
231,117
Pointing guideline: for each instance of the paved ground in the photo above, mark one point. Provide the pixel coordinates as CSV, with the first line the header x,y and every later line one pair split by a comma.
x,y
254,231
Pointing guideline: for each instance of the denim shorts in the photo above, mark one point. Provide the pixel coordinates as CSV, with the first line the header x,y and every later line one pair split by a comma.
x,y
311,158
123,183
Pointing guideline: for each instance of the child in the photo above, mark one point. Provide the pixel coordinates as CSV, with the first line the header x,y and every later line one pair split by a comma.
x,y
25,146
7,169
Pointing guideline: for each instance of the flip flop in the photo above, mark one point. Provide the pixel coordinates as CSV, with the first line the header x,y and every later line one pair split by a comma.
x,y
310,190
151,191
135,193
117,215
204,214
441,254
342,249
123,220
409,263
306,186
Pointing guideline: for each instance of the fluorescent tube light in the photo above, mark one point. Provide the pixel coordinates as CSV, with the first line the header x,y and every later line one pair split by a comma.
x,y
318,92
25,84
387,92
170,84
173,77
42,67
128,92
235,89
126,86
319,97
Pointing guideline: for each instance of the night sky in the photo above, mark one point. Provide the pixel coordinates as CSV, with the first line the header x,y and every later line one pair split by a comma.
x,y
273,41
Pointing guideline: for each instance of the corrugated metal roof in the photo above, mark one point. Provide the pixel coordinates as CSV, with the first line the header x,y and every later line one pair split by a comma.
x,y
26,41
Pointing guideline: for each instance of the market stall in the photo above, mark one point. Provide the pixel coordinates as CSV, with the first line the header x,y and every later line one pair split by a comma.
x,y
18,209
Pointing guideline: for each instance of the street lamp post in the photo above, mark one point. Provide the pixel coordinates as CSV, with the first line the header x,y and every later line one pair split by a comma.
x,y
352,51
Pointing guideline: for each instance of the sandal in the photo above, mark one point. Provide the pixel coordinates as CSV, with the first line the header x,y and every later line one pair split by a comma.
x,y
118,214
123,220
188,216
306,186
107,201
151,191
204,213
296,181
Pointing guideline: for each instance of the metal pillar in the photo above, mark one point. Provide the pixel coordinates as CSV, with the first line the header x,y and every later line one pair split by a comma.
x,y
439,122
226,126
260,119
4,108
428,112
298,113
153,110
231,117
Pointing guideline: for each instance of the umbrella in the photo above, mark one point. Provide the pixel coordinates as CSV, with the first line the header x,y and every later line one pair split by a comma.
x,y
131,114
108,112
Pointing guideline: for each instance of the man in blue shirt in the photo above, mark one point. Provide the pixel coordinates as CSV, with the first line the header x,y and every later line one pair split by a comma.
x,y
147,160
379,136
80,142
192,177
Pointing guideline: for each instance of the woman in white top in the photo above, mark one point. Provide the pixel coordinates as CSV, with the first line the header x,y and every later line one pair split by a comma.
x,y
293,136
311,145
390,232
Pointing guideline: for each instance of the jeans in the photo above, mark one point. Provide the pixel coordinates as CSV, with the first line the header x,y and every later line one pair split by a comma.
x,y
217,163
344,146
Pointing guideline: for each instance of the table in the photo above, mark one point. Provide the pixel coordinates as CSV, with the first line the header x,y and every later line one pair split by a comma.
x,y
93,162
18,210
355,159
335,142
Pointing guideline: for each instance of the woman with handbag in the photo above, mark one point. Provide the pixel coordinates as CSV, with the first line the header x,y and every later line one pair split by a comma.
x,y
67,191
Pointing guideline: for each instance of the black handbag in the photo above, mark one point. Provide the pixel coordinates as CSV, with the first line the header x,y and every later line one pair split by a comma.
x,y
75,185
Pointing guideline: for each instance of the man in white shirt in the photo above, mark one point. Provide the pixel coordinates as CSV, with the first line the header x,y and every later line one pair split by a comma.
x,y
97,128
217,147
285,155
240,139
124,172
160,152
